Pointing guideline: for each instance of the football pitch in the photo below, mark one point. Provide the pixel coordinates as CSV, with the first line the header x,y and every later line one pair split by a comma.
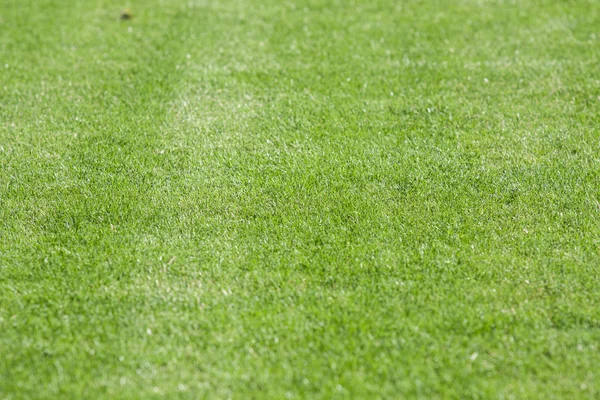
x,y
299,199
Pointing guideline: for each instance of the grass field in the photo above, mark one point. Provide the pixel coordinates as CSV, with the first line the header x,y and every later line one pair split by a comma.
x,y
299,199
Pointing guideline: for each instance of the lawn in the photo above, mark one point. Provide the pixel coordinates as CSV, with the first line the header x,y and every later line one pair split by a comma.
x,y
299,199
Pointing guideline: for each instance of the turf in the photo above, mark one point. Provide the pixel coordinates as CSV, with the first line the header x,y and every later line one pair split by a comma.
x,y
299,199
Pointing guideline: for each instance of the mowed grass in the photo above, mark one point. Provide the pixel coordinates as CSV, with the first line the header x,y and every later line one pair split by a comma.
x,y
299,199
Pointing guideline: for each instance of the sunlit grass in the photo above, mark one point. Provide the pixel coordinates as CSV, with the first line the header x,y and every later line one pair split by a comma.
x,y
313,199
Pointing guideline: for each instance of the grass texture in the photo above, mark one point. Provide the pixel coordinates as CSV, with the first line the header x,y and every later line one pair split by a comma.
x,y
299,199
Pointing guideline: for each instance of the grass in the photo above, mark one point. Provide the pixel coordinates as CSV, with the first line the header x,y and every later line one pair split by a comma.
x,y
299,199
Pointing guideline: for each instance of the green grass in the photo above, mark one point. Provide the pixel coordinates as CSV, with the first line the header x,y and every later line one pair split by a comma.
x,y
299,199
